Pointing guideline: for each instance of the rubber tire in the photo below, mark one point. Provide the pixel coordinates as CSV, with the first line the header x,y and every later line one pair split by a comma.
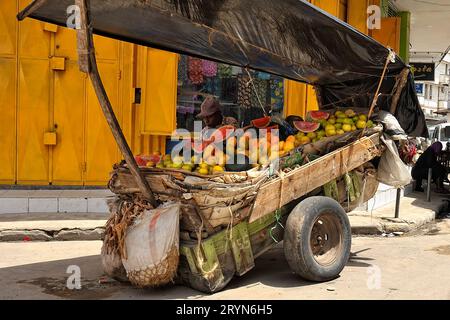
x,y
297,248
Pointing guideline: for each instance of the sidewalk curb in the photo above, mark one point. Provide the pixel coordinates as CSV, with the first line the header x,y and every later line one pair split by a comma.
x,y
365,224
53,235
362,224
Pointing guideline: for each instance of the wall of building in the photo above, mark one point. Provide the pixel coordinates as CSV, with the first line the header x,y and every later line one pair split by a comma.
x,y
436,94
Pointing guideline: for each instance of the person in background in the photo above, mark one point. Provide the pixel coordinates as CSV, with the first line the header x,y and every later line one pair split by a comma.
x,y
429,159
212,115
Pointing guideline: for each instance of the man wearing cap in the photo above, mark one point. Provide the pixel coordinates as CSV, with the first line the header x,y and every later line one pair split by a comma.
x,y
212,116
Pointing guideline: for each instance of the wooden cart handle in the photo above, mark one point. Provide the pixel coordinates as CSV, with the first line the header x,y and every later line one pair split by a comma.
x,y
88,64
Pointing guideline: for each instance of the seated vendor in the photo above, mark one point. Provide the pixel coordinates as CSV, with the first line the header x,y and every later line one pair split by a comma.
x,y
212,116
427,160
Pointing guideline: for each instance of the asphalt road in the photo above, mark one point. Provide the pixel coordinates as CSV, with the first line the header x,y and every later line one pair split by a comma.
x,y
410,267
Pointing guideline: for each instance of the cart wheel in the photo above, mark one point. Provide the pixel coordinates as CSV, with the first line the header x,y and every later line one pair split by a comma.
x,y
318,239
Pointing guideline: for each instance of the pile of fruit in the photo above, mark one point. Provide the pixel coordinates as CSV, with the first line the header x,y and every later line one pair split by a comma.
x,y
320,125
195,164
260,148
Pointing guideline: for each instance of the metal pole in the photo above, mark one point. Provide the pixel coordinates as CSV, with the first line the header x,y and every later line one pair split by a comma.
x,y
397,203
430,173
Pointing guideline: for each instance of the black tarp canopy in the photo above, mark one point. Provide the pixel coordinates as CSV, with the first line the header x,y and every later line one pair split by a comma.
x,y
289,38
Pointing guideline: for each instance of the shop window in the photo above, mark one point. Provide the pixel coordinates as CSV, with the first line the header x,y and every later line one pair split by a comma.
x,y
242,94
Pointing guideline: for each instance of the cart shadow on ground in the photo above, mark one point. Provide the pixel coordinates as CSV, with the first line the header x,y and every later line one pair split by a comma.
x,y
272,269
48,280
437,201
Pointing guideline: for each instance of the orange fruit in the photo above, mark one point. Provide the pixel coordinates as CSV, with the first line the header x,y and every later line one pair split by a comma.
x,y
289,146
290,139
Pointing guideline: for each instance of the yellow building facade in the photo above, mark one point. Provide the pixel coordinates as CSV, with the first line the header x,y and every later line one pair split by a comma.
x,y
52,130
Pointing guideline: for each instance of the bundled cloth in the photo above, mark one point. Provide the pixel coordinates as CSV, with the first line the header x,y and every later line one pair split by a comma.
x,y
408,151
195,70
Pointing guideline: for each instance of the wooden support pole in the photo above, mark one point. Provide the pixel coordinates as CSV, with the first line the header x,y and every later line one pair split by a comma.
x,y
88,64
375,98
398,89
36,4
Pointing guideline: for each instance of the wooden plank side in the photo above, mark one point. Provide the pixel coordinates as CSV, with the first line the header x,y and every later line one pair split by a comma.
x,y
299,182
242,249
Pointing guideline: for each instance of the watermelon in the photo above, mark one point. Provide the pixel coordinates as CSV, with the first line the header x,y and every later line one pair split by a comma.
x,y
317,115
306,127
261,122
140,161
222,134
200,146
292,118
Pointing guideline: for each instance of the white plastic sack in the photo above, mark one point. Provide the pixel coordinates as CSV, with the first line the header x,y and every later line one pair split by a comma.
x,y
391,125
391,169
152,246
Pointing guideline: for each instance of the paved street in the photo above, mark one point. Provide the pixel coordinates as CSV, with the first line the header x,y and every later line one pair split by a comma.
x,y
412,267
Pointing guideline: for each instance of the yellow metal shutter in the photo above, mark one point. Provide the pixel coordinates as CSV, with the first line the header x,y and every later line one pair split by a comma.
x,y
33,103
101,148
330,6
159,91
86,149
69,114
343,5
8,35
69,111
357,14
8,11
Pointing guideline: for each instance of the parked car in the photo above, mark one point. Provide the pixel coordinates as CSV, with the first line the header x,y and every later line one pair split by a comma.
x,y
441,133
431,131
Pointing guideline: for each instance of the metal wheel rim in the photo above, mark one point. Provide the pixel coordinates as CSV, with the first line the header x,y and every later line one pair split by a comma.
x,y
326,239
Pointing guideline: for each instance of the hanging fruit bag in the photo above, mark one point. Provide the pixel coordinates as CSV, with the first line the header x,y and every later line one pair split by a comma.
x,y
152,247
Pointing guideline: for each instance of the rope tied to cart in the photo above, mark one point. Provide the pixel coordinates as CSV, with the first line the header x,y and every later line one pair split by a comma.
x,y
278,212
278,216
255,91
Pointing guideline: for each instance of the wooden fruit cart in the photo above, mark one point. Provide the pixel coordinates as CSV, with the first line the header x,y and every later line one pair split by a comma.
x,y
222,238
219,244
